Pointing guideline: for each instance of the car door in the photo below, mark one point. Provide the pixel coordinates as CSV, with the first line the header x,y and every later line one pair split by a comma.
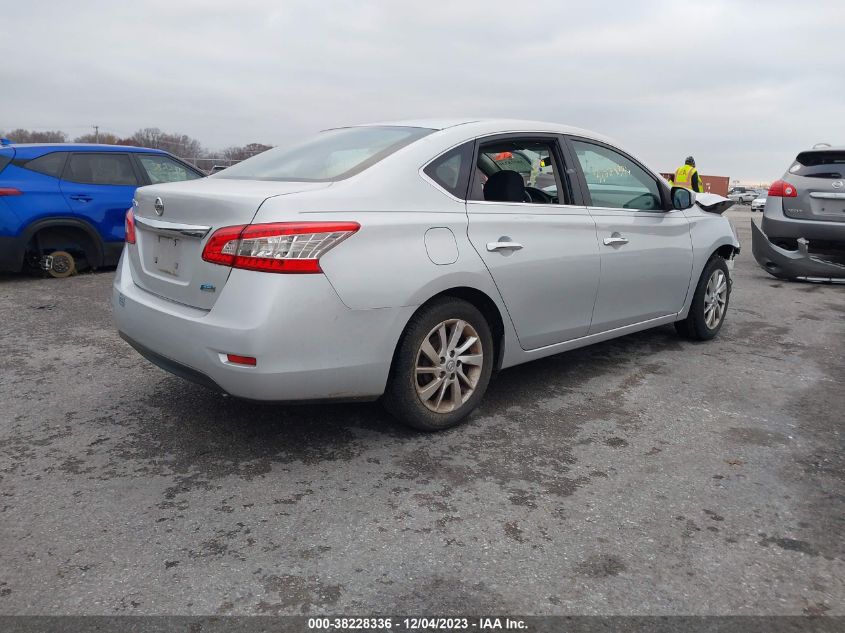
x,y
537,243
646,250
99,187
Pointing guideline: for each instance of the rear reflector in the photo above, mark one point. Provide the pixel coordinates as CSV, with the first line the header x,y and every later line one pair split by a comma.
x,y
279,247
241,360
129,225
782,189
10,191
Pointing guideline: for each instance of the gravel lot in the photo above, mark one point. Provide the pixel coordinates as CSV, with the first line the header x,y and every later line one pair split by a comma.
x,y
646,475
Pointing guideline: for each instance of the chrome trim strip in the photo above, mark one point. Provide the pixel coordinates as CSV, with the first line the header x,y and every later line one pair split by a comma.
x,y
172,228
827,196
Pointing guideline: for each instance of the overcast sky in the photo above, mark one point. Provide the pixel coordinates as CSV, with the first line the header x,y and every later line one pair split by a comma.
x,y
742,86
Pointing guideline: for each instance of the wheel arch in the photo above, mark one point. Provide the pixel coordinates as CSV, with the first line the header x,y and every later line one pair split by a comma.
x,y
725,251
91,241
480,300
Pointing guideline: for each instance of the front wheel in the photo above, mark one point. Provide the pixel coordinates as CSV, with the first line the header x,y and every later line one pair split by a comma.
x,y
442,366
709,303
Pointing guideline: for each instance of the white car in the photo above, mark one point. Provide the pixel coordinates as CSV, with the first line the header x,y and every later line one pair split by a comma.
x,y
759,203
411,260
743,195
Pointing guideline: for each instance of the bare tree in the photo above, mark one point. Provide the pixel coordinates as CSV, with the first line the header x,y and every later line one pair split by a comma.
x,y
105,138
235,154
31,136
177,144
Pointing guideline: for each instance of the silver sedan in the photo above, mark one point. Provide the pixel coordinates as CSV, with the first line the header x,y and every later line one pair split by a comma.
x,y
409,261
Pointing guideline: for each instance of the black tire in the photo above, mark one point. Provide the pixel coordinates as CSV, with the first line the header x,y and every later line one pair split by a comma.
x,y
401,397
694,326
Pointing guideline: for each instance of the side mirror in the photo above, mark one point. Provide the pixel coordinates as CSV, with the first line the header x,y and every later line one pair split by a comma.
x,y
682,198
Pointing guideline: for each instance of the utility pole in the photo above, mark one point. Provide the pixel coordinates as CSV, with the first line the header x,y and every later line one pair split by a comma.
x,y
96,133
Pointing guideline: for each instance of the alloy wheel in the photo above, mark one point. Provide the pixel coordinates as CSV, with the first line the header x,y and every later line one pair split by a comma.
x,y
448,365
715,299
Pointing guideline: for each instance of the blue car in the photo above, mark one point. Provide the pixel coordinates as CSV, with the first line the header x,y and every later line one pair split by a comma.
x,y
62,206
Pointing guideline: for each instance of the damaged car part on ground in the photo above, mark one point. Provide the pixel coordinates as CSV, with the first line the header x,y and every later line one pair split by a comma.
x,y
802,234
410,261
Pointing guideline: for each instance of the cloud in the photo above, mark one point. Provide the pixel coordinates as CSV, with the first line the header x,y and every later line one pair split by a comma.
x,y
742,88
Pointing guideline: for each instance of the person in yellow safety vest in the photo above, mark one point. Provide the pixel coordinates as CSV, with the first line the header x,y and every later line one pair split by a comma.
x,y
687,176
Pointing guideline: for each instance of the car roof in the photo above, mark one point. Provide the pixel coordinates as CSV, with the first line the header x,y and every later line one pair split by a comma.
x,y
475,127
84,147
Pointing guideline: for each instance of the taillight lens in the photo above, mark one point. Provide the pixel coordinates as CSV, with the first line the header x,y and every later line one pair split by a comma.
x,y
129,225
238,359
279,247
10,191
782,189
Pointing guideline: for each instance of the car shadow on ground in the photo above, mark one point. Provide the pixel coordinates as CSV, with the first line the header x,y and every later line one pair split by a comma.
x,y
193,428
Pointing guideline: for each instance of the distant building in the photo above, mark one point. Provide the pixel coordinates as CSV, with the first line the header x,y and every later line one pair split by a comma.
x,y
712,184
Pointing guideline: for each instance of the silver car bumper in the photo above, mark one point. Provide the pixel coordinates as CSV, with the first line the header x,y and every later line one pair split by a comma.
x,y
309,346
799,264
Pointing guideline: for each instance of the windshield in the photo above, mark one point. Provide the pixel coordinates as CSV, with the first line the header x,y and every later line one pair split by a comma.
x,y
329,156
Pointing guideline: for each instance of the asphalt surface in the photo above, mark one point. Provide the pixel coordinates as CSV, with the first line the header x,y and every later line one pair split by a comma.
x,y
646,475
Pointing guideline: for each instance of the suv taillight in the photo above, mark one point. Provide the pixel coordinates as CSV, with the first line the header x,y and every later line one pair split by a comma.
x,y
129,225
782,189
280,247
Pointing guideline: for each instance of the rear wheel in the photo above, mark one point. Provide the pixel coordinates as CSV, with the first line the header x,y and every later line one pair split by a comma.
x,y
442,366
709,303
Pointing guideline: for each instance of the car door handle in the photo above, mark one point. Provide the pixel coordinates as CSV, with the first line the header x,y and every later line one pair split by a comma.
x,y
616,239
503,246
81,198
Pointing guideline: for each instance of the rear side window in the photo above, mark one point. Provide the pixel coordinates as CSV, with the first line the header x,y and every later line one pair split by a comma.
x,y
451,170
100,169
517,170
819,165
329,156
165,169
5,159
49,164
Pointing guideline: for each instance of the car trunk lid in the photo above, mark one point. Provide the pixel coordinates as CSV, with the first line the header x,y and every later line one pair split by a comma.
x,y
173,223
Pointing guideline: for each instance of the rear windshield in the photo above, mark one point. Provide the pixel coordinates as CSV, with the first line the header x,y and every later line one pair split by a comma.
x,y
329,156
819,164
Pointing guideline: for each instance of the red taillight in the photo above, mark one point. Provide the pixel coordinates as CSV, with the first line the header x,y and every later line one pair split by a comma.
x,y
782,189
237,359
129,225
10,191
280,247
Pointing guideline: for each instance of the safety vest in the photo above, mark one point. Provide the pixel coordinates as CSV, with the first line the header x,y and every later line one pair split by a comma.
x,y
683,178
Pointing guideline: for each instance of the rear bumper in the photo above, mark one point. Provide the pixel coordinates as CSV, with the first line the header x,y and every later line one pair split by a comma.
x,y
799,264
777,225
309,346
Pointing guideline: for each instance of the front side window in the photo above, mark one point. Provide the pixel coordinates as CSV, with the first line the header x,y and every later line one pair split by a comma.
x,y
615,181
165,169
329,156
517,170
100,169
